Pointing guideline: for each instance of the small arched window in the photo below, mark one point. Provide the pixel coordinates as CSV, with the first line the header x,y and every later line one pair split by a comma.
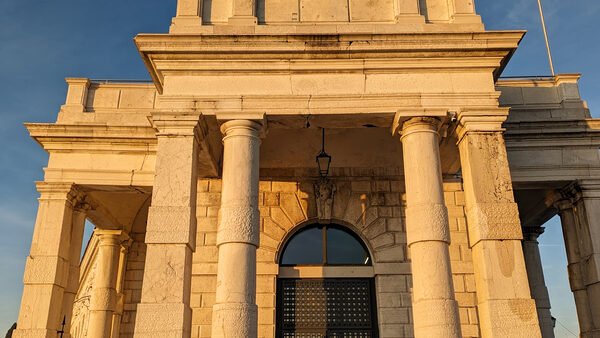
x,y
325,245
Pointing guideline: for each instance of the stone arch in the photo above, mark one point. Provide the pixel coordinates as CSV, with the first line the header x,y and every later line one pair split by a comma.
x,y
369,208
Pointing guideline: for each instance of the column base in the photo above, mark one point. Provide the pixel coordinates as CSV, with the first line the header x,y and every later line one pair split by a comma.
x,y
163,321
509,318
235,320
436,318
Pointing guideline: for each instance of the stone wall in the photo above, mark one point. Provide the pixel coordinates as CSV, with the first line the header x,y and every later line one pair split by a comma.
x,y
374,208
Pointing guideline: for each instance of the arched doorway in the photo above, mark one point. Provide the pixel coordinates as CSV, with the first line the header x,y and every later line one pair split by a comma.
x,y
325,286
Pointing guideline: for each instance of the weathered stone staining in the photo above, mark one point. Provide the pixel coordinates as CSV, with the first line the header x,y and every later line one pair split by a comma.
x,y
196,181
171,229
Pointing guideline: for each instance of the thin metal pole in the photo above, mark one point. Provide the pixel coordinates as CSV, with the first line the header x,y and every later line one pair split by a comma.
x,y
546,37
323,141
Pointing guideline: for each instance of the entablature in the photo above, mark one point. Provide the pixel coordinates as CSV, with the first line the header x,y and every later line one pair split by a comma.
x,y
168,56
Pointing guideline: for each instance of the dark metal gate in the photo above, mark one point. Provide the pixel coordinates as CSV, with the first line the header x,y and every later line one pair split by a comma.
x,y
326,308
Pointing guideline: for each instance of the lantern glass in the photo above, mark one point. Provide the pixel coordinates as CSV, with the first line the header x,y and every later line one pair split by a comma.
x,y
323,161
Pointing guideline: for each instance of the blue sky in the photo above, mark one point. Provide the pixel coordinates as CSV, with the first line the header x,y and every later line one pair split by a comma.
x,y
42,42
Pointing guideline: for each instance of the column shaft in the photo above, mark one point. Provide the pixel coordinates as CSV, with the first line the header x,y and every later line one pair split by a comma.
x,y
104,289
235,311
78,227
171,230
587,210
434,307
537,283
48,265
120,303
504,300
569,222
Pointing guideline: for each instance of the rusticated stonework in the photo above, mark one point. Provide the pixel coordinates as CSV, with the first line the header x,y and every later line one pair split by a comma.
x,y
238,225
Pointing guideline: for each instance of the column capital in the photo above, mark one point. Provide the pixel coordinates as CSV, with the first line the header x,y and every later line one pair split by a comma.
x,y
59,190
568,196
423,118
531,234
563,204
588,188
112,237
480,121
179,124
232,122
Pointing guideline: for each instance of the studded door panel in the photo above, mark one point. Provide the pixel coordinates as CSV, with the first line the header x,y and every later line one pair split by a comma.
x,y
332,308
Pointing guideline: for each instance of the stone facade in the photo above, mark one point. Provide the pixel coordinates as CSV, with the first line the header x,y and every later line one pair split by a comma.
x,y
195,182
372,205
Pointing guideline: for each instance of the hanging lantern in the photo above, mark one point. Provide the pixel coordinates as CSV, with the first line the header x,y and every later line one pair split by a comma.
x,y
323,159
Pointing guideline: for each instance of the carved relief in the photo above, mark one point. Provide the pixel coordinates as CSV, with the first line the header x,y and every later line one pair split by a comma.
x,y
81,306
324,193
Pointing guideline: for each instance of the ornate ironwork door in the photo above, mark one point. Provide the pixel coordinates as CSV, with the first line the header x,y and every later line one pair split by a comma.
x,y
320,308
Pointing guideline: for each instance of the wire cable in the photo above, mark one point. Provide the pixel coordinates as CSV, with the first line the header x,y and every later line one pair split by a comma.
x,y
561,324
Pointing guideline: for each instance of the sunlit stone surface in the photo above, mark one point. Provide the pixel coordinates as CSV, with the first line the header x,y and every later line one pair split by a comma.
x,y
196,181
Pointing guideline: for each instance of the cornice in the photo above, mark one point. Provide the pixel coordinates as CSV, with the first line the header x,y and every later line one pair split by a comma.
x,y
182,124
537,82
483,120
163,53
95,137
575,133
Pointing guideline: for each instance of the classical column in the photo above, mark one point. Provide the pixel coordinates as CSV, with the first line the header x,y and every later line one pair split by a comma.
x,y
587,210
235,311
434,307
78,227
188,17
171,229
48,265
504,300
104,289
535,274
120,302
569,222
